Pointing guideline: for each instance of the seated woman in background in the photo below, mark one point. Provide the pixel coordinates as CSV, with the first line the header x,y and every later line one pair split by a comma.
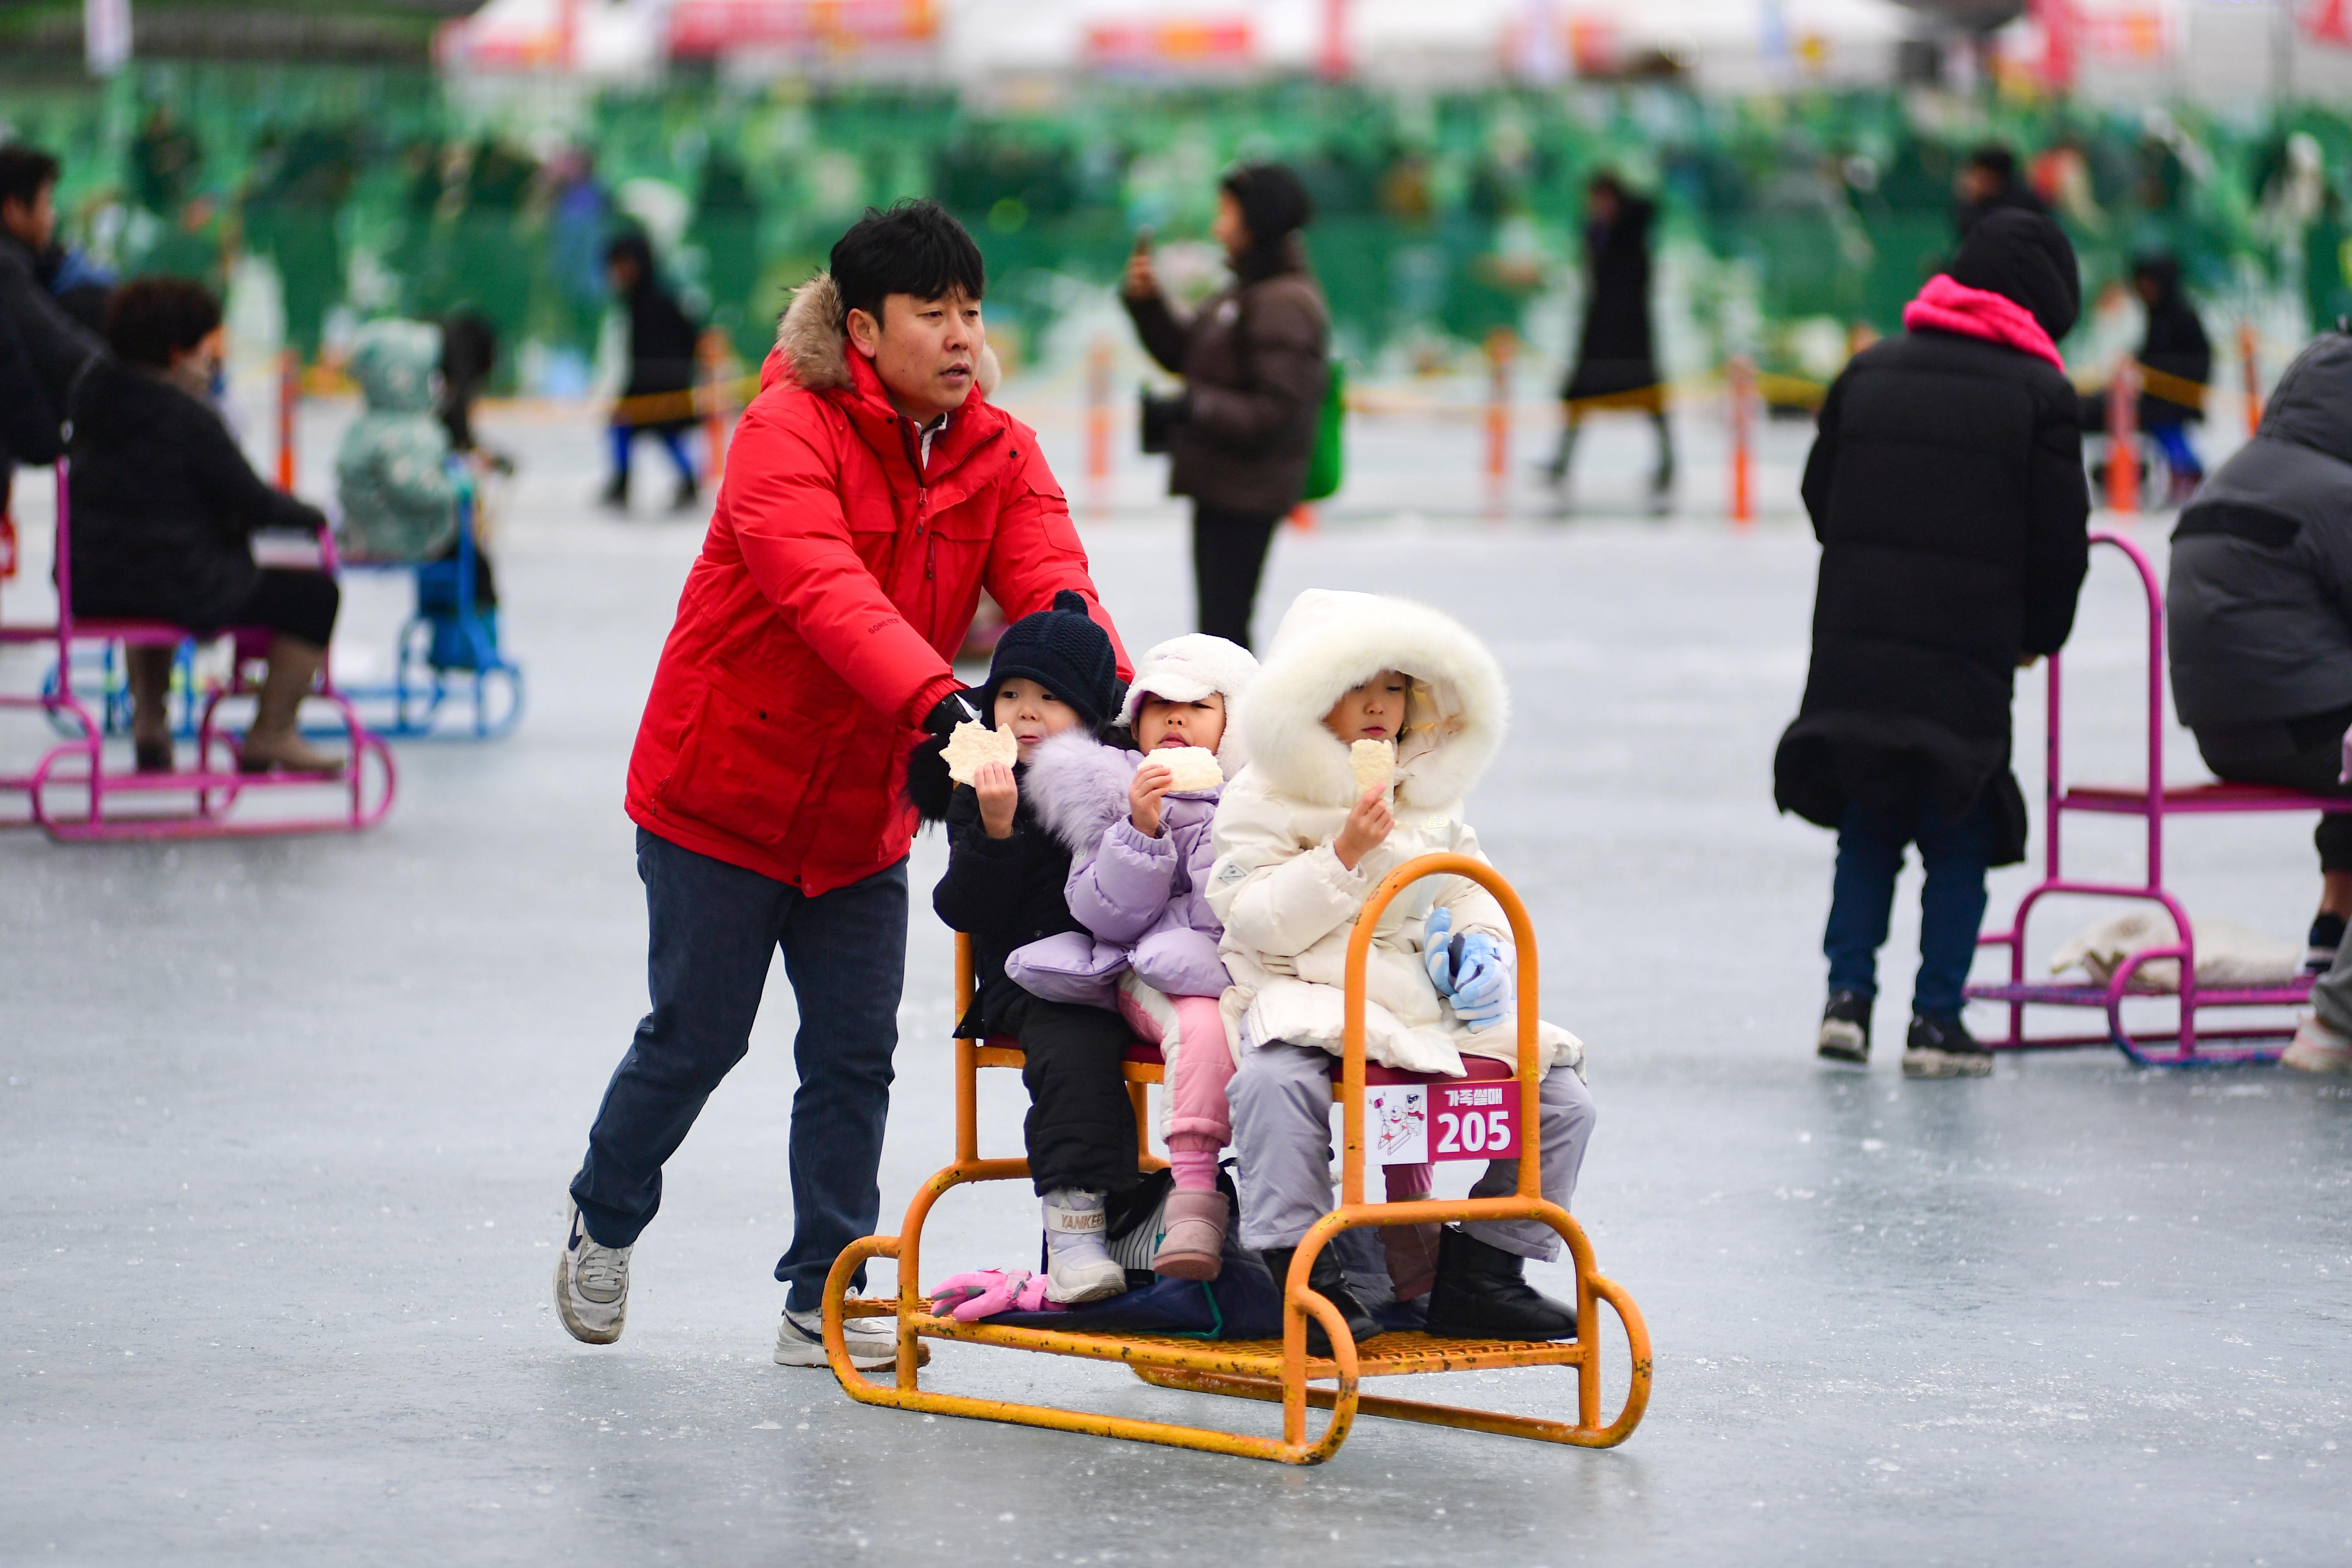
x,y
164,509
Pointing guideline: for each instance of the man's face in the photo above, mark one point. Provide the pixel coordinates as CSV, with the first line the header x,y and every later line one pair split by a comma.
x,y
927,351
33,225
1976,183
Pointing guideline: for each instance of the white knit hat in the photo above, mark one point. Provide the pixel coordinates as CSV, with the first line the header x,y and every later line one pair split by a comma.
x,y
1187,668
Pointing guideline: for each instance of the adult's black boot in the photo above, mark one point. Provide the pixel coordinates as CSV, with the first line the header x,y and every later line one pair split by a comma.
x,y
1480,1295
1328,1280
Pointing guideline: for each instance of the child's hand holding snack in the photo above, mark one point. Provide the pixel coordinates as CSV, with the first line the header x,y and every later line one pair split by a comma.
x,y
1151,780
999,798
1367,828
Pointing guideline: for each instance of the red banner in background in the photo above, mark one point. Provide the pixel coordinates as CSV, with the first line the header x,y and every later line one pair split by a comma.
x,y
1202,41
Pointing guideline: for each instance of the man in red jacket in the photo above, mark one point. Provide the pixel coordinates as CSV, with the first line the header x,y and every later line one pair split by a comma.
x,y
871,491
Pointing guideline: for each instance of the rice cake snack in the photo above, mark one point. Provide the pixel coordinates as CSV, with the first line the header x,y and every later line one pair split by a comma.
x,y
1190,768
974,745
1374,764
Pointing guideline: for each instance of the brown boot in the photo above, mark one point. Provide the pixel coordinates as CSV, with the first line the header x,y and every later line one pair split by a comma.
x,y
148,670
275,742
1195,1245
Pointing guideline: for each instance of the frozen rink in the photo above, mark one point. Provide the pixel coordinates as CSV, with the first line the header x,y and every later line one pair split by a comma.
x,y
287,1124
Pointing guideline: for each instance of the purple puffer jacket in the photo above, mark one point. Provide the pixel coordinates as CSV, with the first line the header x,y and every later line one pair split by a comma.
x,y
1140,899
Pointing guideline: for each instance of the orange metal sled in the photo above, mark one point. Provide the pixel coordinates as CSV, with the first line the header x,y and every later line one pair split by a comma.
x,y
1271,1370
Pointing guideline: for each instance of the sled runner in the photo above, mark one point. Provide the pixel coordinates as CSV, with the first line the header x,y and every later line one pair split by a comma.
x,y
1274,1370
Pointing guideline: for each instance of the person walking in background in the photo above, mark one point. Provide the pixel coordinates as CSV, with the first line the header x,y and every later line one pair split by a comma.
x,y
1947,488
2176,361
1616,356
871,492
1255,364
657,398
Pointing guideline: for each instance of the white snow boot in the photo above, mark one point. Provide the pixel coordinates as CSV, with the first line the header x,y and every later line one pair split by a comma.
x,y
1079,1265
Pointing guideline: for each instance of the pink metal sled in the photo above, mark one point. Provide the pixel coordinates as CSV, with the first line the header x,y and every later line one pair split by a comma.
x,y
2153,801
213,786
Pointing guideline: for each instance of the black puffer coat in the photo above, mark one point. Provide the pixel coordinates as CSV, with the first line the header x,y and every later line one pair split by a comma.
x,y
1256,363
1003,893
164,504
2258,598
1947,488
1615,355
661,359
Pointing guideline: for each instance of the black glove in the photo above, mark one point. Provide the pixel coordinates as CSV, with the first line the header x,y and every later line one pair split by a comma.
x,y
1161,415
953,710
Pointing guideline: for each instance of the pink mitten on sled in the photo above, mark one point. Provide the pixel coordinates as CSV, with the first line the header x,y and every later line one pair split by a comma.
x,y
984,1292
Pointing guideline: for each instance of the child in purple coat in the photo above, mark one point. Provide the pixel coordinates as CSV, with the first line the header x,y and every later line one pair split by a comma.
x,y
1140,859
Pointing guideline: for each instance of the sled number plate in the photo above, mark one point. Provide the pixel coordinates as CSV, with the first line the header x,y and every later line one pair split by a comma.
x,y
1415,1123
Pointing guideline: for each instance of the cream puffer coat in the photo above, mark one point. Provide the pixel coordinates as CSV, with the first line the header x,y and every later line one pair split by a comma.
x,y
1289,906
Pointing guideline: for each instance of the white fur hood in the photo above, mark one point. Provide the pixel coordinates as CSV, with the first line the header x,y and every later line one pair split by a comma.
x,y
813,337
1330,642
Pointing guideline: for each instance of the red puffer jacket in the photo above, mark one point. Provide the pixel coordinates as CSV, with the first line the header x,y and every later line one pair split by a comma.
x,y
836,582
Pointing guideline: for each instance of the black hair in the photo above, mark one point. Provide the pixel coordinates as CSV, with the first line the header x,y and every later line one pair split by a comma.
x,y
24,170
151,318
1606,180
914,247
631,247
1995,160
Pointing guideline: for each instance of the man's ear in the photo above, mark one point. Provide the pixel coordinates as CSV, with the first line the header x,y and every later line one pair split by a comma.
x,y
865,332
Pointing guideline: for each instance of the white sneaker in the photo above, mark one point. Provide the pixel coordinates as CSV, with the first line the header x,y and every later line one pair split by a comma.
x,y
872,1342
2318,1047
592,1286
1079,1265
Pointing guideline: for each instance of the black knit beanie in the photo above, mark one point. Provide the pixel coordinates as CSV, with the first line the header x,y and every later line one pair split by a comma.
x,y
1064,651
2026,257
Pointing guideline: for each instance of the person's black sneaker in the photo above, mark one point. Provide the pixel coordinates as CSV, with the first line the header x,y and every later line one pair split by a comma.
x,y
1939,1046
1845,1028
616,496
687,495
1481,1295
1329,1280
2319,951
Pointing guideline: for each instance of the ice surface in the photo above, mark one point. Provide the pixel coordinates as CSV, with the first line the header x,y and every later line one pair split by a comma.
x,y
286,1128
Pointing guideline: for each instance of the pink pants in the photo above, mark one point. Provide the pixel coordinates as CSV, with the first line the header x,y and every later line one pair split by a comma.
x,y
1199,1121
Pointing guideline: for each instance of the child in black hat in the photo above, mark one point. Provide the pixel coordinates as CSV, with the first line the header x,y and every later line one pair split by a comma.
x,y
1054,672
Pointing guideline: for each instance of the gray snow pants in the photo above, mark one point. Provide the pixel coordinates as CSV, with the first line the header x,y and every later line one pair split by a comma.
x,y
1281,1097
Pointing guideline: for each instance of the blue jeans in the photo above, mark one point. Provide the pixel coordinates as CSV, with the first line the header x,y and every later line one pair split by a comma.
x,y
714,928
625,438
1951,906
2178,455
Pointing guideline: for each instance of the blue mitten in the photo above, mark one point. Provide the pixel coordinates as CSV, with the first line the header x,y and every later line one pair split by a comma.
x,y
1482,985
1433,947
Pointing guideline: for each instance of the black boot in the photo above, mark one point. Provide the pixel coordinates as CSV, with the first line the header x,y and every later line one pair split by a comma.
x,y
689,494
616,494
1479,1294
1329,1280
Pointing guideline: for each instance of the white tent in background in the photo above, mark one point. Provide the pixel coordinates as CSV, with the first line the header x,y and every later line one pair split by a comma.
x,y
602,39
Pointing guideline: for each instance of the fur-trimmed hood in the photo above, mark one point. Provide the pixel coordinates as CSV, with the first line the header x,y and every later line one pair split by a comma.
x,y
813,334
1330,642
1077,786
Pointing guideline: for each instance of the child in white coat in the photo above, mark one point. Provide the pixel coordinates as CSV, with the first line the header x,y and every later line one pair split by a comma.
x,y
1300,846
